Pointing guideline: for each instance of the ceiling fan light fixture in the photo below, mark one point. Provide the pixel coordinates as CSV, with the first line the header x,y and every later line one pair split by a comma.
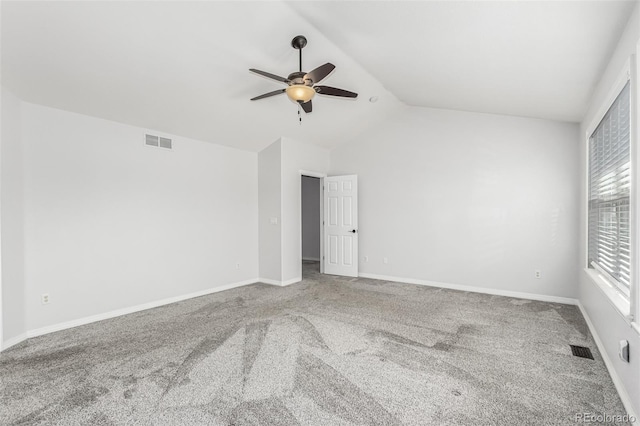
x,y
300,93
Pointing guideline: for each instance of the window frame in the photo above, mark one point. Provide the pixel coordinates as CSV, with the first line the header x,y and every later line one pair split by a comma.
x,y
626,307
608,256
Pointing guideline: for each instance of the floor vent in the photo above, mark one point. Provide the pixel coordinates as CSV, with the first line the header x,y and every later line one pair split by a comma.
x,y
581,351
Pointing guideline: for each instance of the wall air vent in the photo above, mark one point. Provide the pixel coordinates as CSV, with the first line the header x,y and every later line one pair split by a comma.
x,y
165,143
151,140
158,142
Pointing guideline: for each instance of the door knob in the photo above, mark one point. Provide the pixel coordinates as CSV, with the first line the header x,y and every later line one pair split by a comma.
x,y
353,231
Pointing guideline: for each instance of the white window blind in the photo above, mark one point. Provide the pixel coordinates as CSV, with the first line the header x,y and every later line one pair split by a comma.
x,y
609,189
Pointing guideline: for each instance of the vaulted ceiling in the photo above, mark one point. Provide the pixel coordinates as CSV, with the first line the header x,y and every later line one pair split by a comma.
x,y
182,67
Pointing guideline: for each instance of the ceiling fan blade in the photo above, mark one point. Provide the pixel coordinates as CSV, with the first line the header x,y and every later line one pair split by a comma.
x,y
319,73
334,91
266,95
269,75
307,107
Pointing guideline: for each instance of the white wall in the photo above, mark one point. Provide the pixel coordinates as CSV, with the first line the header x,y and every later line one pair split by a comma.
x,y
296,157
12,222
468,199
609,324
280,168
310,218
111,223
270,209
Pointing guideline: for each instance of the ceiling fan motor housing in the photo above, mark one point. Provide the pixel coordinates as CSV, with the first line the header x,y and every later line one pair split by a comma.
x,y
298,78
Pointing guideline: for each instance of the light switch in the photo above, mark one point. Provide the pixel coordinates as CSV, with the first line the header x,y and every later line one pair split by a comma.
x,y
274,220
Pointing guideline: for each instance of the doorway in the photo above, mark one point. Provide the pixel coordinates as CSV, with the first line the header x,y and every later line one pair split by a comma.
x,y
311,224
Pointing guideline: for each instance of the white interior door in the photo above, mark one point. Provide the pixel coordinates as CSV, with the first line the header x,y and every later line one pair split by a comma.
x,y
341,225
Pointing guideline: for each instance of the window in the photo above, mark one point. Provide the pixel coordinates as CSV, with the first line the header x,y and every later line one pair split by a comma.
x,y
609,190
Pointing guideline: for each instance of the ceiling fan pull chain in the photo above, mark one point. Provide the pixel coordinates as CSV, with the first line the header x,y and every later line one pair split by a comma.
x,y
299,115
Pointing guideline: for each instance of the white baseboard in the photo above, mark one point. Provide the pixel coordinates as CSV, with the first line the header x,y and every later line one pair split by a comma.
x,y
269,281
13,341
313,259
624,396
279,283
497,292
132,309
292,281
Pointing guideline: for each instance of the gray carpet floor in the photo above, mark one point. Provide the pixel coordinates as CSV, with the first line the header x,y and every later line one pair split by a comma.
x,y
326,351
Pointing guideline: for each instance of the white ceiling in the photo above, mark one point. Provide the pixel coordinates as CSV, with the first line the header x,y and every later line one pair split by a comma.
x,y
530,58
182,67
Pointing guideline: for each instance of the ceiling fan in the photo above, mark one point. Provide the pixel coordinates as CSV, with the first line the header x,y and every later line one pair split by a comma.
x,y
302,86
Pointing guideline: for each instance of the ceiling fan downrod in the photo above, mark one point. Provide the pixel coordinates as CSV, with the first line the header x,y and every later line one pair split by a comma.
x,y
299,42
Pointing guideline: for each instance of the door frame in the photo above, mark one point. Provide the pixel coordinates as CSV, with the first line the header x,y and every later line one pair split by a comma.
x,y
320,176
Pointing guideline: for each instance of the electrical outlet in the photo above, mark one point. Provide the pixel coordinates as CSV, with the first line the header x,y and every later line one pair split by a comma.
x,y
237,266
366,258
44,298
537,274
385,260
